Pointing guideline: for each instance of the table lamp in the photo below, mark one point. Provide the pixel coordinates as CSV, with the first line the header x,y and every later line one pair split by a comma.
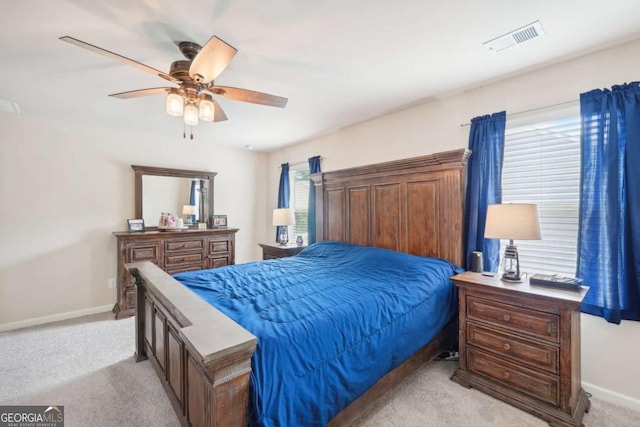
x,y
190,211
512,221
283,217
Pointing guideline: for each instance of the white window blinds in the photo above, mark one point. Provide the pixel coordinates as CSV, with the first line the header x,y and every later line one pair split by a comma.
x,y
542,166
299,200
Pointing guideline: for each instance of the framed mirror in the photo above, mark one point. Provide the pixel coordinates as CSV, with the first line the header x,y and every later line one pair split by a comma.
x,y
159,190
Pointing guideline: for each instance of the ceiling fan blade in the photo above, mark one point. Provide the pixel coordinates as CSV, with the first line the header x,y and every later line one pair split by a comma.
x,y
212,59
246,95
218,113
140,92
117,57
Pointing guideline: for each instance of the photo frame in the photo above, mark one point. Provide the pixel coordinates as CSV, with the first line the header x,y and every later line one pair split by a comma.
x,y
219,221
135,225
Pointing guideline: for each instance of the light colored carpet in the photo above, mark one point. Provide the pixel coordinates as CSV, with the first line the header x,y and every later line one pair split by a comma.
x,y
87,365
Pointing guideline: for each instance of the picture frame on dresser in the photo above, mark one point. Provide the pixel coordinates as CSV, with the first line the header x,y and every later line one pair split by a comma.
x,y
219,221
135,225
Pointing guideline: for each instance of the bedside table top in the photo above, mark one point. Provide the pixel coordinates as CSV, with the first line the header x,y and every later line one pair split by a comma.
x,y
475,280
275,245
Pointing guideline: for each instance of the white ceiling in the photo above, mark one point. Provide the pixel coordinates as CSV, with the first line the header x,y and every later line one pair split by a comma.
x,y
339,62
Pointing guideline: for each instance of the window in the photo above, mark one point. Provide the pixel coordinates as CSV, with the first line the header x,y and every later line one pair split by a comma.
x,y
299,200
542,166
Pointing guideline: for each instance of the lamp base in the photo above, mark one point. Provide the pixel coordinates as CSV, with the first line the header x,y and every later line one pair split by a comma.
x,y
283,237
510,277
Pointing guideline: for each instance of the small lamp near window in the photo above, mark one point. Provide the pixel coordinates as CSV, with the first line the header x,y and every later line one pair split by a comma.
x,y
190,211
512,221
283,218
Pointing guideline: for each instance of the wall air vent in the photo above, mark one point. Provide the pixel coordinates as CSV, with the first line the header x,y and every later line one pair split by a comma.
x,y
515,37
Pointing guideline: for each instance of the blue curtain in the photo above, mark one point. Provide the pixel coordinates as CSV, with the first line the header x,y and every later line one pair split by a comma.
x,y
192,198
609,230
283,191
484,185
314,167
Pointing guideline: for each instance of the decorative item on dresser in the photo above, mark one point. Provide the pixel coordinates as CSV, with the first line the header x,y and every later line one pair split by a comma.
x,y
187,250
276,250
521,344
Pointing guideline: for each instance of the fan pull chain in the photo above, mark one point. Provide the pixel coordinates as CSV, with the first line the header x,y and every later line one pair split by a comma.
x,y
191,130
184,131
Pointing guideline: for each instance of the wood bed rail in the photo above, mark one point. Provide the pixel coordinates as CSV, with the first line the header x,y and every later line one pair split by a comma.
x,y
202,357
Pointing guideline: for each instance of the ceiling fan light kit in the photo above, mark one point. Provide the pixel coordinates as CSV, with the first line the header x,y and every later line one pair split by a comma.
x,y
190,114
206,110
175,103
193,98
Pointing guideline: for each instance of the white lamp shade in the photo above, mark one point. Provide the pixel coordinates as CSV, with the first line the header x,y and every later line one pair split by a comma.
x,y
512,221
206,110
175,104
283,216
189,210
190,115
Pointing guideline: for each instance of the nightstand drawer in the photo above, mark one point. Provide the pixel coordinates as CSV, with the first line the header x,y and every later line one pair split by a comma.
x,y
536,355
180,245
530,322
537,385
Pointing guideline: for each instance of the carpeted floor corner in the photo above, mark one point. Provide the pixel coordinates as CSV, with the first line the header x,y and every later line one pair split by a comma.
x,y
87,365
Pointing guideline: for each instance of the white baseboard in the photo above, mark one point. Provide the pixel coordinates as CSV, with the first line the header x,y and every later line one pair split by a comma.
x,y
612,396
53,318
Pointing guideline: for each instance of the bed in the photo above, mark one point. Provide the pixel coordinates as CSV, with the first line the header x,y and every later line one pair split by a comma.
x,y
203,355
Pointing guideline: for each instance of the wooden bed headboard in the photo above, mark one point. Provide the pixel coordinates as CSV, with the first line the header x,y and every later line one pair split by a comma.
x,y
412,205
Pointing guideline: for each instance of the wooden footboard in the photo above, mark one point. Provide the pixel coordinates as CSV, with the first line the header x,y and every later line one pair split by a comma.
x,y
202,357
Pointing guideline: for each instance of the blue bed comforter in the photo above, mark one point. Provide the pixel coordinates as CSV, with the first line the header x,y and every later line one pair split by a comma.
x,y
330,322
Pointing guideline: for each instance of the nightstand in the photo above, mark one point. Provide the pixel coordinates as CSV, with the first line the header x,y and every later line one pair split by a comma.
x,y
521,344
276,250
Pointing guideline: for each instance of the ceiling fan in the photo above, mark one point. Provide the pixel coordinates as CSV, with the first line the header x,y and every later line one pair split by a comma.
x,y
192,98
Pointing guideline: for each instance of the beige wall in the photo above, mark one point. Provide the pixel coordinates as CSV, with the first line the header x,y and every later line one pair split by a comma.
x,y
609,353
64,190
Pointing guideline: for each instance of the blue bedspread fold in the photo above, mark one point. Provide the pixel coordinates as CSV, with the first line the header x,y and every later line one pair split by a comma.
x,y
330,322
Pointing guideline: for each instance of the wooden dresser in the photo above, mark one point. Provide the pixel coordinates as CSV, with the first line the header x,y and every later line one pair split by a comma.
x,y
521,344
174,252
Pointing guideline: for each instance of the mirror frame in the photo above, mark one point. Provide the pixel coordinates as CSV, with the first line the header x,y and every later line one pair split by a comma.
x,y
141,171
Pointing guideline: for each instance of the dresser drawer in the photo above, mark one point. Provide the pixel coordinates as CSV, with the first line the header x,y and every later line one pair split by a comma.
x,y
529,322
181,268
182,258
149,251
219,245
181,245
536,355
538,385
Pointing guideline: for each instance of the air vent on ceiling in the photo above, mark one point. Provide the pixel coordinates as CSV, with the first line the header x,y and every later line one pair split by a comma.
x,y
515,37
9,107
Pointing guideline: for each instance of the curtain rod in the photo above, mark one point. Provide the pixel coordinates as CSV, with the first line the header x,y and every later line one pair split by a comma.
x,y
298,163
560,104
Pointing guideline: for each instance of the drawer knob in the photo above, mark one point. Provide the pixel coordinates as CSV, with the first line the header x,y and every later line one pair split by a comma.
x,y
506,317
506,346
506,375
